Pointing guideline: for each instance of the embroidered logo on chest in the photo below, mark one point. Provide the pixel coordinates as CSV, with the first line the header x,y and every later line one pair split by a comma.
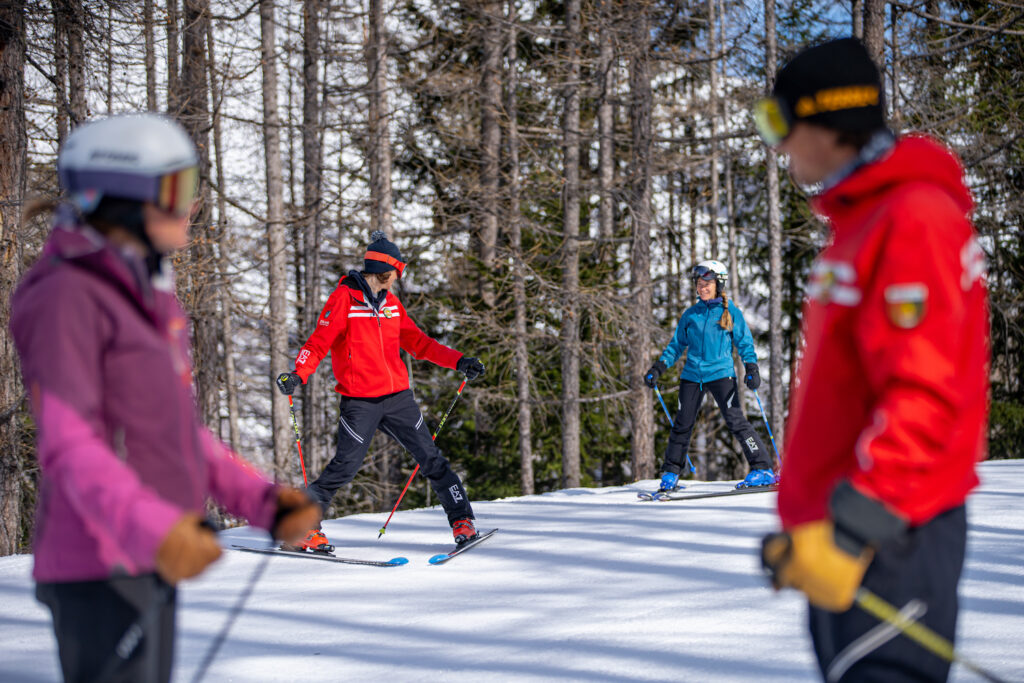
x,y
834,282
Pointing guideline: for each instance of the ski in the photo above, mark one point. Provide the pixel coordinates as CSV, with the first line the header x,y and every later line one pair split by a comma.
x,y
459,549
658,495
719,494
394,562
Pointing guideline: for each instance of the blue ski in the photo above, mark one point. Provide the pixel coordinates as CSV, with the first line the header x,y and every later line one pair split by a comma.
x,y
459,549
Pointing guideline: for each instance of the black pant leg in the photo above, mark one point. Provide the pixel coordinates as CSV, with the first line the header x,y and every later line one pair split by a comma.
x,y
728,400
90,618
357,421
403,422
924,567
690,396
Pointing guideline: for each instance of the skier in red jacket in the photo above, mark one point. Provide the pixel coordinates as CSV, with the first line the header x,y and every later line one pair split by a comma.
x,y
364,326
889,414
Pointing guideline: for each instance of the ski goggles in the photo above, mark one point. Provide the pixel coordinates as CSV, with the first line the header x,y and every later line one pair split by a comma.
x,y
703,273
177,191
773,119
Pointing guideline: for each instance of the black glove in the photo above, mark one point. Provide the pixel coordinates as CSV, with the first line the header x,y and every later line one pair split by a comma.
x,y
651,378
753,378
287,381
470,367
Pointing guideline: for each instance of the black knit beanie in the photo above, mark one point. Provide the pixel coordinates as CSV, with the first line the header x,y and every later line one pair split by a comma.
x,y
382,255
836,85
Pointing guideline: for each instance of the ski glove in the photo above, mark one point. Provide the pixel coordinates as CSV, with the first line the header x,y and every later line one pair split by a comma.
x,y
287,381
470,367
651,378
753,378
187,549
296,514
826,559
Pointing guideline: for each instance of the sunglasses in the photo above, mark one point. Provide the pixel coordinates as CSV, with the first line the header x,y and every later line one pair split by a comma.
x,y
773,119
178,191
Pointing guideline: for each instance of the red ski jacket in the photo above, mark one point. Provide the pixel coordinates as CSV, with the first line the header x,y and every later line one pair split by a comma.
x,y
892,389
364,343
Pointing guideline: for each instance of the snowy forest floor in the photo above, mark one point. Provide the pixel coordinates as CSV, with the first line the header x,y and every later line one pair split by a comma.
x,y
581,584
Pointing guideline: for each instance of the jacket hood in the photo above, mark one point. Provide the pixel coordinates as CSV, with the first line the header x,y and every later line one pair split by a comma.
x,y
914,158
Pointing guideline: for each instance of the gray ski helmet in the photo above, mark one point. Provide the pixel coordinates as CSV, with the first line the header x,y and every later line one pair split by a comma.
x,y
141,157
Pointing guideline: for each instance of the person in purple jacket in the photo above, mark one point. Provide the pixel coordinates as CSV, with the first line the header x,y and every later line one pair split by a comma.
x,y
126,463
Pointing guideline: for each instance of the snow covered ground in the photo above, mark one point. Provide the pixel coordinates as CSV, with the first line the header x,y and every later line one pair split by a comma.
x,y
582,584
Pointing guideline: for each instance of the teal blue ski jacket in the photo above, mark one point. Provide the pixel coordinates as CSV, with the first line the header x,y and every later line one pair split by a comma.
x,y
708,347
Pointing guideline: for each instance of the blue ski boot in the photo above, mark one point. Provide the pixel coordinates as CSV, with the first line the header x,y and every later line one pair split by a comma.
x,y
758,478
669,482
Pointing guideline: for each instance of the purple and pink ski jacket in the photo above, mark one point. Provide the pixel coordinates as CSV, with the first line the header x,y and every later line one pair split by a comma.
x,y
123,453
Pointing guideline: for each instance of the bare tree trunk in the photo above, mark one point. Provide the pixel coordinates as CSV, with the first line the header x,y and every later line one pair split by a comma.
x,y
570,332
201,295
147,30
606,128
13,145
640,257
276,256
490,142
108,62
713,116
874,31
75,26
522,355
312,170
857,19
60,70
380,141
173,21
222,242
776,363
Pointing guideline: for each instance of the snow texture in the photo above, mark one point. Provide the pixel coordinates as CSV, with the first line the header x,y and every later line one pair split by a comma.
x,y
582,584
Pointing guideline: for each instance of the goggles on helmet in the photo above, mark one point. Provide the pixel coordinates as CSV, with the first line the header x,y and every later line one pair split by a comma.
x,y
177,191
703,273
773,120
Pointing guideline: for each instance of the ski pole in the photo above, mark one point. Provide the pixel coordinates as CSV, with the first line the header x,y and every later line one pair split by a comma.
x,y
295,426
417,468
918,632
766,426
669,415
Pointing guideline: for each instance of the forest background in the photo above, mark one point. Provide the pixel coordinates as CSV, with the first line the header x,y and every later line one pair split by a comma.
x,y
550,171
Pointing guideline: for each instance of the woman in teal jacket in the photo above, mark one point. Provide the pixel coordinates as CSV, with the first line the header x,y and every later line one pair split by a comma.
x,y
707,332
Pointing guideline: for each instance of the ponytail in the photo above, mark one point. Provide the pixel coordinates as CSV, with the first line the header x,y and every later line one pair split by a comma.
x,y
726,321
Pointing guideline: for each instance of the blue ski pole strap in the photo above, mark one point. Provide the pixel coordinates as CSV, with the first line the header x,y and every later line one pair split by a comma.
x,y
657,393
768,427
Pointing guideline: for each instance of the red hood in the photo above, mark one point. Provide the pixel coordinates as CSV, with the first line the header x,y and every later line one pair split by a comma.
x,y
914,158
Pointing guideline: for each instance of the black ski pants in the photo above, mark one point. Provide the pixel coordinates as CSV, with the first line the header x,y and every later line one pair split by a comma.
x,y
90,618
398,416
919,576
691,394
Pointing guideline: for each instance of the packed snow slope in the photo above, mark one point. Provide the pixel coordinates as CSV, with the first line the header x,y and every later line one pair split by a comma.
x,y
582,584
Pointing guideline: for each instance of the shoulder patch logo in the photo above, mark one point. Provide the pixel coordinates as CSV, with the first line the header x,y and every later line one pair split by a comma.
x,y
972,260
906,304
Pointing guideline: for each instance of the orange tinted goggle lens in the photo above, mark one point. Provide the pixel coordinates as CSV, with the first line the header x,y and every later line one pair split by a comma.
x,y
772,124
178,191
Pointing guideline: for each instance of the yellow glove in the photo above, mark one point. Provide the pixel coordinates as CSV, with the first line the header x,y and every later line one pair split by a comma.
x,y
808,559
187,549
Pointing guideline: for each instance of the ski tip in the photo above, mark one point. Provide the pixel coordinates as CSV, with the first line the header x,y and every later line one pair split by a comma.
x,y
398,561
437,559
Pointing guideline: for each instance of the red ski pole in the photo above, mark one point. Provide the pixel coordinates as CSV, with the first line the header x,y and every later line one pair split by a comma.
x,y
295,425
417,468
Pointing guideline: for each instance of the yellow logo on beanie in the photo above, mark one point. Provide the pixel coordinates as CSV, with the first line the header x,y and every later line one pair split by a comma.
x,y
835,99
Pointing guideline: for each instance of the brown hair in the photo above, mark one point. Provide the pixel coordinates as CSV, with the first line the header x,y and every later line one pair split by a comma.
x,y
381,278
726,321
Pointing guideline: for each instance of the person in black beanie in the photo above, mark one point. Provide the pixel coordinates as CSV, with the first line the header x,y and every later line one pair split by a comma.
x,y
364,326
889,411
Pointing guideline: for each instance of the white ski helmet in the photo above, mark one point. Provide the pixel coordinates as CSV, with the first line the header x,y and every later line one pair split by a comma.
x,y
710,270
141,157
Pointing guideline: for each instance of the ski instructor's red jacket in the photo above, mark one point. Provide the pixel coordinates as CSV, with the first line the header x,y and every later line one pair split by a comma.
x,y
893,385
364,343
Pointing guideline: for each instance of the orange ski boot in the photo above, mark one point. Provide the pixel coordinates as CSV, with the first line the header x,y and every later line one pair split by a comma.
x,y
314,542
463,530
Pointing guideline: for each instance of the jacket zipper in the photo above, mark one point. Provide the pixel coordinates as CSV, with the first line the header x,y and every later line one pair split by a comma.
x,y
384,358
